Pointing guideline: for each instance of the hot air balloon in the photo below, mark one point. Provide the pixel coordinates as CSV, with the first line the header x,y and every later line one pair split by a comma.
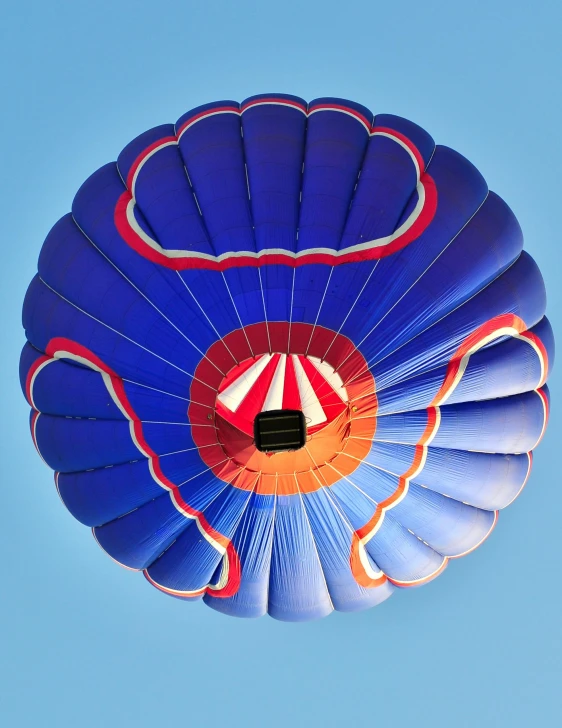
x,y
287,357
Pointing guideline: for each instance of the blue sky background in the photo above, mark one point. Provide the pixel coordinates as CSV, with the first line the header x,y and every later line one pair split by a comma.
x,y
85,643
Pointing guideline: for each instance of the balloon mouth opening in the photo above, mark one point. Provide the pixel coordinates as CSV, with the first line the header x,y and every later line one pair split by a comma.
x,y
281,430
315,377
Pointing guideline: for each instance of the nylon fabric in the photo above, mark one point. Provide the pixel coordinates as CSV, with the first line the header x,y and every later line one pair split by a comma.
x,y
278,253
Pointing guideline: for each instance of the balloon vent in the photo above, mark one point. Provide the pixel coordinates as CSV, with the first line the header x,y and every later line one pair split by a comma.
x,y
280,430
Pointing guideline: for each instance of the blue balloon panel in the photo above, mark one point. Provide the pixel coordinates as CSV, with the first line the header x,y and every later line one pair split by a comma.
x,y
274,255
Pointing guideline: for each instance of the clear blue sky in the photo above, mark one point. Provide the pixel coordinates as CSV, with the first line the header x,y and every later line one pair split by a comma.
x,y
85,643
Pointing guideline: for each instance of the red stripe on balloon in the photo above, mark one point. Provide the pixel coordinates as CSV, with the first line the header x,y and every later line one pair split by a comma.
x,y
357,568
144,154
480,337
273,100
137,243
341,108
57,348
29,380
470,345
404,139
203,114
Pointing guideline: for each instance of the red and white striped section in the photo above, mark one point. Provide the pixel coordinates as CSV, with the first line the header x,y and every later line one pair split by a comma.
x,y
282,381
341,419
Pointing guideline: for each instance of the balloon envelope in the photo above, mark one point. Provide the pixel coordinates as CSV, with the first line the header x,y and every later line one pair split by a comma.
x,y
278,256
